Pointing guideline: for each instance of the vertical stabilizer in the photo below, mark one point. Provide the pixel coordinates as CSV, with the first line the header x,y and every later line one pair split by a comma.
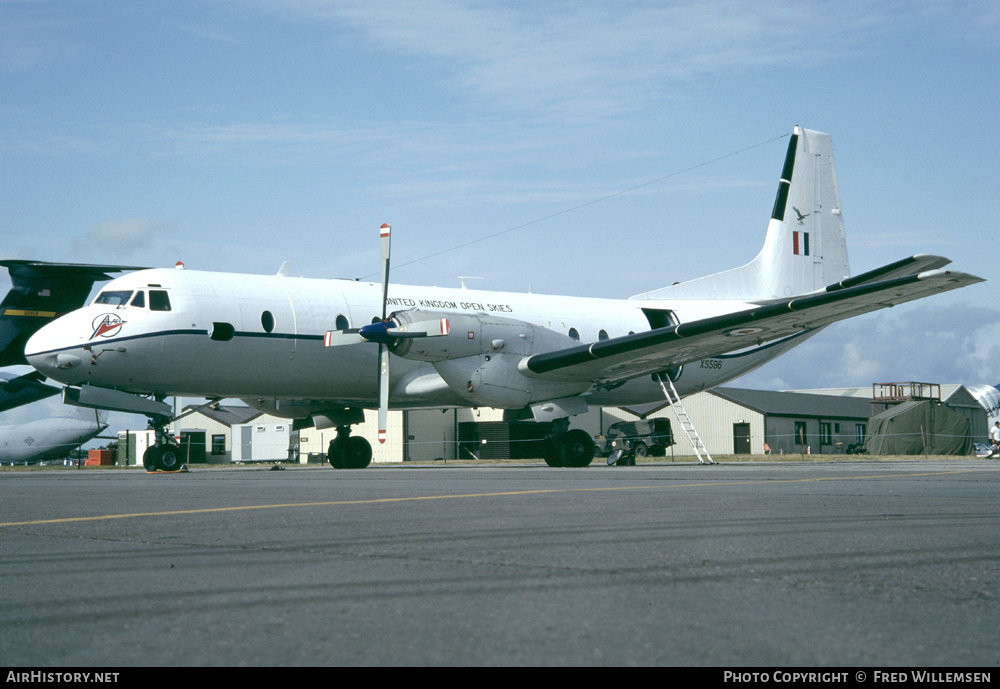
x,y
805,248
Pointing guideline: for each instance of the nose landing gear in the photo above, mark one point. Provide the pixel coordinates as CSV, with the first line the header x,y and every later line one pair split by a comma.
x,y
165,455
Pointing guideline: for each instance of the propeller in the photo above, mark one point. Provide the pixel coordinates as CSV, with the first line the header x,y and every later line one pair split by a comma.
x,y
383,346
384,333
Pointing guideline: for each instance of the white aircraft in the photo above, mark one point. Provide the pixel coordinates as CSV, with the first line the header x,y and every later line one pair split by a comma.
x,y
305,348
48,438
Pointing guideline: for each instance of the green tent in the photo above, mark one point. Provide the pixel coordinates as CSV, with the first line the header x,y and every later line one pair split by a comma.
x,y
918,428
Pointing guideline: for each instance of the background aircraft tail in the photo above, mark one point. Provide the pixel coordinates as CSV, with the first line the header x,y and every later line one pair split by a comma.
x,y
41,292
805,248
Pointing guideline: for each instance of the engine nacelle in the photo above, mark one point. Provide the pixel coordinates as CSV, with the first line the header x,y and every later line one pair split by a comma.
x,y
464,338
479,357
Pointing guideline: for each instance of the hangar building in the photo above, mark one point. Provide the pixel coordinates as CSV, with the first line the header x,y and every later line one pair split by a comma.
x,y
729,421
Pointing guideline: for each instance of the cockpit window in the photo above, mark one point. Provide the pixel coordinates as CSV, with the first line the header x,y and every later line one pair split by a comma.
x,y
114,298
158,300
139,299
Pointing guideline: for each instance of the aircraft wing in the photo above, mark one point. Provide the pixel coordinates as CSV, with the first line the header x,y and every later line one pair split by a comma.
x,y
631,356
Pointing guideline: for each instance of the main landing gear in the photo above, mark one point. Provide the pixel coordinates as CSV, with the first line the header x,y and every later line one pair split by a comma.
x,y
347,451
568,448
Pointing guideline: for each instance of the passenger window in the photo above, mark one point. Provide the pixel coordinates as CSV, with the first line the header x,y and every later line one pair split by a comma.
x,y
342,323
139,299
267,321
603,335
574,334
158,300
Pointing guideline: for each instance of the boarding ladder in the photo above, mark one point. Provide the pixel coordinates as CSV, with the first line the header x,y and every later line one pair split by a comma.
x,y
686,424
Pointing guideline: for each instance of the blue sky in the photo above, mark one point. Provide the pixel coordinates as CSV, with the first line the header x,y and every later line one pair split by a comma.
x,y
495,137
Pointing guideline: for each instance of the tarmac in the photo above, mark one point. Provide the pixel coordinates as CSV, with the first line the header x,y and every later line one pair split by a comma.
x,y
860,563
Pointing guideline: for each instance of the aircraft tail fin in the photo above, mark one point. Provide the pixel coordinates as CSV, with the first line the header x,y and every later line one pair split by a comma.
x,y
805,248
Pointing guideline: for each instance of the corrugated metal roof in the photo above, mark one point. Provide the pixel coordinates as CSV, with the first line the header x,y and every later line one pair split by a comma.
x,y
797,403
947,391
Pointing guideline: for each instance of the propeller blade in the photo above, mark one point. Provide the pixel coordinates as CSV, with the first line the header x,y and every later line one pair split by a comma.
x,y
384,235
435,328
336,338
383,391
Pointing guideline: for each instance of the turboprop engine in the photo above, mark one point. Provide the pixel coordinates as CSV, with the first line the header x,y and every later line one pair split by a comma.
x,y
477,355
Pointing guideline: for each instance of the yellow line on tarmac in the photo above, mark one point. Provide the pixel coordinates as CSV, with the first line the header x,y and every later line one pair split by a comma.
x,y
373,501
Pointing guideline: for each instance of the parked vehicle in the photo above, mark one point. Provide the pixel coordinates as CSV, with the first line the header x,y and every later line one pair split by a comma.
x,y
636,439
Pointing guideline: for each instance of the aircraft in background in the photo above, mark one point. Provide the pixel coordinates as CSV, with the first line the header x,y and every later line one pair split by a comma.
x,y
321,351
41,292
21,390
988,396
52,436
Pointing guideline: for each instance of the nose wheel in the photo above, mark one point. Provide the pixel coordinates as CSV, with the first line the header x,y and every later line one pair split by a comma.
x,y
163,457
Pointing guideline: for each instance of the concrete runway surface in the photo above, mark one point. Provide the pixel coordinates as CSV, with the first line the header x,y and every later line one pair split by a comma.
x,y
806,564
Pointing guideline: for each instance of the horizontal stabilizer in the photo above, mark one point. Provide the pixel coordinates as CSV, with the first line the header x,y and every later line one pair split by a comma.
x,y
908,266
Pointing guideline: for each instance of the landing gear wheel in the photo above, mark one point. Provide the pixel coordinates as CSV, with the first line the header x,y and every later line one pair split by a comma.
x,y
577,448
359,453
350,452
149,459
336,453
553,455
169,458
165,457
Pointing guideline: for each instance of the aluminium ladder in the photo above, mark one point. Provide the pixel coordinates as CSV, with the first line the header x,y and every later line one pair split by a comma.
x,y
686,424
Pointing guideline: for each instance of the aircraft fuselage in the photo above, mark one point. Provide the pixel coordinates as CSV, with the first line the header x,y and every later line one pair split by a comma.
x,y
192,333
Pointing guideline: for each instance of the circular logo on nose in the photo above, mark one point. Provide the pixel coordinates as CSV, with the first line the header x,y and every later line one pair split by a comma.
x,y
107,325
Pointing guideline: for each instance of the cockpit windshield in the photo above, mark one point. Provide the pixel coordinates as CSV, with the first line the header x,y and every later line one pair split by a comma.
x,y
114,297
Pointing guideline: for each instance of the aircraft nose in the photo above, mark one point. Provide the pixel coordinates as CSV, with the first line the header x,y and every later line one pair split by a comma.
x,y
48,351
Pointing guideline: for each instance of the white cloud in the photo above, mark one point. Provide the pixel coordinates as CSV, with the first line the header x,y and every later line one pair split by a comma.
x,y
122,237
571,55
926,343
598,58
